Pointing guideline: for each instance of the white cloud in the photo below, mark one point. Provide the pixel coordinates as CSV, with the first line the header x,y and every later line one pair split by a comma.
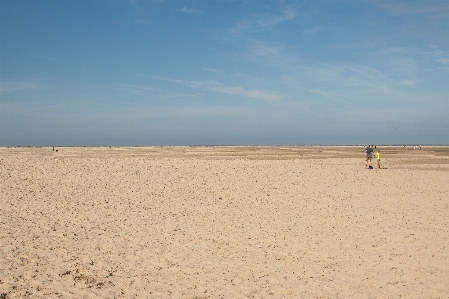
x,y
14,86
265,21
430,9
348,75
210,85
149,92
311,31
190,10
142,22
270,20
214,86
139,87
265,95
44,57
444,61
328,95
408,82
442,57
211,70
260,48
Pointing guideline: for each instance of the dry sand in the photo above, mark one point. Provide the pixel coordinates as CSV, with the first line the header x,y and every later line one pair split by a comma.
x,y
223,222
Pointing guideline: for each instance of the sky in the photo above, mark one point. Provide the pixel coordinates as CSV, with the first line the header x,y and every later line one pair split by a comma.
x,y
150,73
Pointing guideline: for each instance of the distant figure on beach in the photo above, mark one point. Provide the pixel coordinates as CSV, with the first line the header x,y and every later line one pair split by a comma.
x,y
369,156
378,159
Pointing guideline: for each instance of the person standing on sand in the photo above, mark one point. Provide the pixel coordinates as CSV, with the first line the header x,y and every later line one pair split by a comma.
x,y
378,159
369,156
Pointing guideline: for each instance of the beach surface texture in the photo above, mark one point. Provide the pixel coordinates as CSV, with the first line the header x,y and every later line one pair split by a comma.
x,y
223,222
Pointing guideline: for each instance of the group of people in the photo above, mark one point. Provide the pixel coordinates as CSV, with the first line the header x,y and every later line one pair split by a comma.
x,y
369,155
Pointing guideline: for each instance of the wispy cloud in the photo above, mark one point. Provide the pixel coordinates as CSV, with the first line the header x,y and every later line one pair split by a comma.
x,y
214,86
348,75
44,57
260,94
191,10
150,91
444,61
7,86
426,8
345,84
442,57
142,22
210,85
262,48
407,82
312,30
328,95
136,89
270,20
265,21
211,70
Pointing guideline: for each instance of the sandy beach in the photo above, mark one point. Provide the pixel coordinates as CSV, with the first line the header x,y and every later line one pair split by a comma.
x,y
223,222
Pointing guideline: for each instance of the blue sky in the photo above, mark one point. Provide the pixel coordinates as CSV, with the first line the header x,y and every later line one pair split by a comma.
x,y
215,72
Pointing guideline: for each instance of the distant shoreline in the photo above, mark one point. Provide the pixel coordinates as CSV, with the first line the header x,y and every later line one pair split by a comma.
x,y
187,146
